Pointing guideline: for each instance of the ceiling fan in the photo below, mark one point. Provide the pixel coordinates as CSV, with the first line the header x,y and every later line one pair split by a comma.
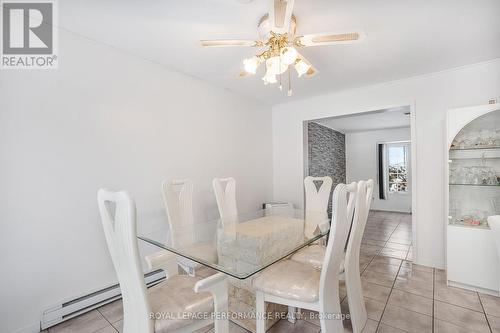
x,y
279,41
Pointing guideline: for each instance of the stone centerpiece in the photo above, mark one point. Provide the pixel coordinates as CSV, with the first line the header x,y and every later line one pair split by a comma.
x,y
250,245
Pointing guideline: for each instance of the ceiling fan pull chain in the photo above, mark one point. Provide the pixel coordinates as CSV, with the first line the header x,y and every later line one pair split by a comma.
x,y
279,53
289,83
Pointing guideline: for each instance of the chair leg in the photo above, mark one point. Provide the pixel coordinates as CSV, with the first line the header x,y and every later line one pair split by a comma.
x,y
330,313
217,286
357,308
291,314
260,307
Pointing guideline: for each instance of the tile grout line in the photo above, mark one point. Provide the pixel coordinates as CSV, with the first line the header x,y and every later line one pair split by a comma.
x,y
433,297
110,324
484,312
389,296
399,222
459,306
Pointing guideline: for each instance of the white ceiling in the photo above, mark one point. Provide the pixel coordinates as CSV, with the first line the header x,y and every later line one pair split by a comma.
x,y
404,37
370,121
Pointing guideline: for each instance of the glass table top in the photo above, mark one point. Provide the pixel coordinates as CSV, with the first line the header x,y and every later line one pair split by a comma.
x,y
241,245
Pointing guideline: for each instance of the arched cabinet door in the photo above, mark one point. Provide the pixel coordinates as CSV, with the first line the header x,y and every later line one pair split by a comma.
x,y
472,195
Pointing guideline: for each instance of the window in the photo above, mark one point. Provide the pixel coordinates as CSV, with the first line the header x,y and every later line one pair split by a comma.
x,y
398,165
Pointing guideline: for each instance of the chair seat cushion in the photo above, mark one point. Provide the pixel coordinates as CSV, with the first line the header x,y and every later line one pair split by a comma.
x,y
291,280
313,255
175,302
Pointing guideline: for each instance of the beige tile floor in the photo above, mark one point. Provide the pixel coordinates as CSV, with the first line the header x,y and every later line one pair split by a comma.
x,y
400,296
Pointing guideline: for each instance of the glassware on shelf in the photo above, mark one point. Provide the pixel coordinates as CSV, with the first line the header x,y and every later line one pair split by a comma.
x,y
474,175
455,209
484,138
492,178
473,220
495,205
496,140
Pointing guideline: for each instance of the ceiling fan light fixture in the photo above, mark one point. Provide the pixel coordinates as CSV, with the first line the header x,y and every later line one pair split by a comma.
x,y
279,47
302,67
289,55
275,66
269,78
251,64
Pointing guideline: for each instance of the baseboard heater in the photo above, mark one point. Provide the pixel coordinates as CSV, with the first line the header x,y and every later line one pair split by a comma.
x,y
80,305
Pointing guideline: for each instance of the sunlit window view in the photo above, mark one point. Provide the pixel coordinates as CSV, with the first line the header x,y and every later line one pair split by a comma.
x,y
398,168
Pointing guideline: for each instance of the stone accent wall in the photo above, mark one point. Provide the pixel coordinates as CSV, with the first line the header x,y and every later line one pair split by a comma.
x,y
326,154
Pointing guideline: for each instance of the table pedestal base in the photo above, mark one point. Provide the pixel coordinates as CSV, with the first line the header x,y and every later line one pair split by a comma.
x,y
242,306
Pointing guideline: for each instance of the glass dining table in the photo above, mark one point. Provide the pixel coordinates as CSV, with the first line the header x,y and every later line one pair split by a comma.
x,y
240,247
243,245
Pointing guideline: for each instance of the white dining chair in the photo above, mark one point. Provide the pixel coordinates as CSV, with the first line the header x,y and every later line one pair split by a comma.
x,y
225,195
316,206
352,276
316,211
494,223
178,201
349,267
304,286
317,200
171,305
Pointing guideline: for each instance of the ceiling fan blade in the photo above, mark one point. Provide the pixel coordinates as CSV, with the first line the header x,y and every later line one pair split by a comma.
x,y
328,39
229,42
280,15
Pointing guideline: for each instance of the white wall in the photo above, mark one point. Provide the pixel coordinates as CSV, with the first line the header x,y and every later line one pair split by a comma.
x,y
431,95
362,163
107,119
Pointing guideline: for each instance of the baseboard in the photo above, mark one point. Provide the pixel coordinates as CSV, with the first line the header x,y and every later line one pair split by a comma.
x,y
473,288
77,306
429,263
390,211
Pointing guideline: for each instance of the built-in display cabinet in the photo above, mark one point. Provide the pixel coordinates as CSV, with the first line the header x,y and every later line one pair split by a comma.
x,y
473,194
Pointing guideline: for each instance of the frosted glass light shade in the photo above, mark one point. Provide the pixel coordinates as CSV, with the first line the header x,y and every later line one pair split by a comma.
x,y
275,66
251,64
302,67
289,55
269,78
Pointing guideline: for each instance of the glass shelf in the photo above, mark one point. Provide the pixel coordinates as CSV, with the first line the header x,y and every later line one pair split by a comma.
x,y
497,185
484,225
474,158
482,154
474,148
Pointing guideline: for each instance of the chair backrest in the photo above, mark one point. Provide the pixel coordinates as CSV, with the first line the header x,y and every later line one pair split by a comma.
x,y
317,198
178,200
316,210
337,239
362,208
118,216
225,194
